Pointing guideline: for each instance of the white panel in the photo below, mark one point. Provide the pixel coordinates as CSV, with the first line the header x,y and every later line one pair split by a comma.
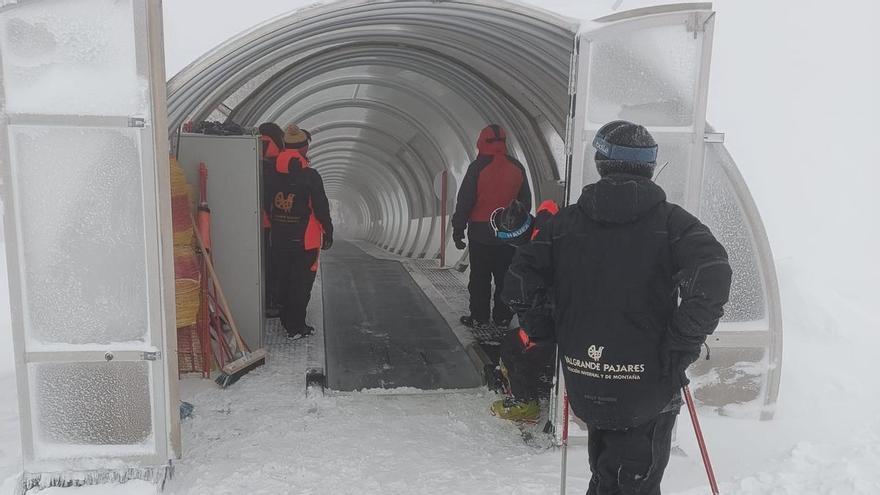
x,y
110,413
723,213
87,210
410,238
81,220
651,69
423,237
647,76
236,222
673,163
72,58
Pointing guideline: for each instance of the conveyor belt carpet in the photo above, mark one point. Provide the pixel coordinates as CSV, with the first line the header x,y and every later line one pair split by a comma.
x,y
381,331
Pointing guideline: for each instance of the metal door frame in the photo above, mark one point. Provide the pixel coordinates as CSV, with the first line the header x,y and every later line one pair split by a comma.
x,y
160,346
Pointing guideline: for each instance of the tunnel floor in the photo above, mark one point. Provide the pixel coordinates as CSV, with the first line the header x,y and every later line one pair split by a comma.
x,y
381,331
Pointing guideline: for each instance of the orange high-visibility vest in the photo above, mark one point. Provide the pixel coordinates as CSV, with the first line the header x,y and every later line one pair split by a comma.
x,y
314,235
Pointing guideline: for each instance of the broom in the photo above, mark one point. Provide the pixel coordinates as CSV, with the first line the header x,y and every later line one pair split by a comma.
x,y
229,372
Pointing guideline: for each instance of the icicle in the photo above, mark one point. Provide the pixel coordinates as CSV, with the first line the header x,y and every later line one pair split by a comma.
x,y
156,475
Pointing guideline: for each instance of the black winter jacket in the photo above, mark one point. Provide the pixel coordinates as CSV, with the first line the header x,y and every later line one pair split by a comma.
x,y
615,264
290,199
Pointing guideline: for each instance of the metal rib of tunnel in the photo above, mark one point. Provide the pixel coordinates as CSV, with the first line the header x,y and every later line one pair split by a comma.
x,y
394,93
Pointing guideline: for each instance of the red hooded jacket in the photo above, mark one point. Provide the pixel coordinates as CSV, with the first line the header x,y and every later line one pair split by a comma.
x,y
492,181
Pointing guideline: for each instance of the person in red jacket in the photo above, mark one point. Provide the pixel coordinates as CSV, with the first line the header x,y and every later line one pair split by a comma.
x,y
492,181
301,226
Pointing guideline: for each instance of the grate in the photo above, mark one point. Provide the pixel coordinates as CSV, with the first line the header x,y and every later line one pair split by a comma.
x,y
491,335
282,349
452,286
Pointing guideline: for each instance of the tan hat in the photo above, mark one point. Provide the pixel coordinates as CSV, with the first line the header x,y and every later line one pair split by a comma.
x,y
294,135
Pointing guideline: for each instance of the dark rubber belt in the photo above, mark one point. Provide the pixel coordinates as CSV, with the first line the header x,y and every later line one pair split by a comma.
x,y
381,331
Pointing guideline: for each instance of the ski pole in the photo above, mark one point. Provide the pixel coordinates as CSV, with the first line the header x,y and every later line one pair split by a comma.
x,y
564,444
700,440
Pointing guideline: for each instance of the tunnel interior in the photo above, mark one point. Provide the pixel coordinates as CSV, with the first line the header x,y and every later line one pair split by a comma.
x,y
394,93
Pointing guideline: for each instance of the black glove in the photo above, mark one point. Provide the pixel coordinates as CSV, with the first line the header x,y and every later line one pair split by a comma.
x,y
458,238
327,242
678,352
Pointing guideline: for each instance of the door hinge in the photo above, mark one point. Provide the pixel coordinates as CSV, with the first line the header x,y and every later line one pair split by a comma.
x,y
137,122
151,356
713,137
696,23
569,133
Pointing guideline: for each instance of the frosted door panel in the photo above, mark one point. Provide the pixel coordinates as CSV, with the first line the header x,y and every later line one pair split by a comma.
x,y
673,163
646,76
673,158
72,58
80,208
721,211
91,405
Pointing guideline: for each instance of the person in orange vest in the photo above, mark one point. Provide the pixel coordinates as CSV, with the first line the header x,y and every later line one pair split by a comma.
x,y
271,144
301,226
492,181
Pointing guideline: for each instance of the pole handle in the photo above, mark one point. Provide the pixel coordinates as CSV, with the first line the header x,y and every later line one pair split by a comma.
x,y
564,478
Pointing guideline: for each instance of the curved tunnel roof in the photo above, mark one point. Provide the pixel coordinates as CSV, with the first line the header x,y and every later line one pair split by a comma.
x,y
395,92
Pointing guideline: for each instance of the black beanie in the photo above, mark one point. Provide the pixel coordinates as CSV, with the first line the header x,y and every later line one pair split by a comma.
x,y
274,132
623,133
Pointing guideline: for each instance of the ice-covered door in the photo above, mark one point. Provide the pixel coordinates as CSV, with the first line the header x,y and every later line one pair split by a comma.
x,y
649,66
86,206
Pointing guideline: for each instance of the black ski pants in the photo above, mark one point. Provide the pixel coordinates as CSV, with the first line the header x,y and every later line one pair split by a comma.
x,y
529,371
269,271
294,276
632,461
489,261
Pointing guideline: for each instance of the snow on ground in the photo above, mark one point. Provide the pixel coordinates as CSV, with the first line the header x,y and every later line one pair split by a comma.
x,y
825,437
264,436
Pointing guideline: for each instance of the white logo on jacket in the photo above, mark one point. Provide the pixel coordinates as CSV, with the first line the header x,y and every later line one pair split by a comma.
x,y
595,352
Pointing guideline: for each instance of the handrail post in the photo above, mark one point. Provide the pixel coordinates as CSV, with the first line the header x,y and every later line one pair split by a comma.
x,y
443,197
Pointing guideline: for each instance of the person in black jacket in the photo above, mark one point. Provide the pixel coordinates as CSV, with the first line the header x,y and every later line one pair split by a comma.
x,y
301,225
525,369
271,144
637,284
491,182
